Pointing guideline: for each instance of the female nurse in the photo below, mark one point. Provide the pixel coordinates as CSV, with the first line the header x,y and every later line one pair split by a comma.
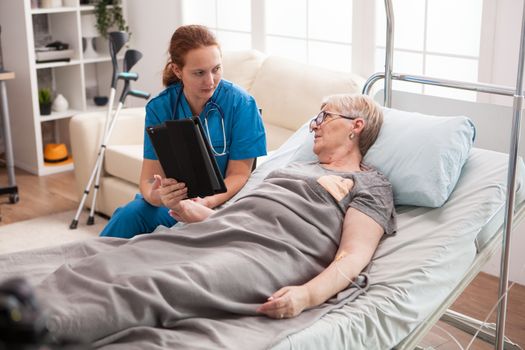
x,y
229,115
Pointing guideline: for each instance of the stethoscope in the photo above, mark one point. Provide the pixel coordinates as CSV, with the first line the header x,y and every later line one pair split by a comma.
x,y
209,107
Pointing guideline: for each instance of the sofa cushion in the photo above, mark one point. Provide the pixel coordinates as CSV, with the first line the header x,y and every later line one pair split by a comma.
x,y
114,193
276,135
124,161
240,67
290,93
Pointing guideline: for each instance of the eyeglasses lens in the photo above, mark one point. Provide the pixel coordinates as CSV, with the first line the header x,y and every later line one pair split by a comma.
x,y
318,120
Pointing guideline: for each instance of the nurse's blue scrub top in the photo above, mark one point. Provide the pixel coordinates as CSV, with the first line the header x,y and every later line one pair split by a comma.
x,y
245,135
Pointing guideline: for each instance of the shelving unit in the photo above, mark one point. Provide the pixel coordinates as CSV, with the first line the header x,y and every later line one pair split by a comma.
x,y
78,80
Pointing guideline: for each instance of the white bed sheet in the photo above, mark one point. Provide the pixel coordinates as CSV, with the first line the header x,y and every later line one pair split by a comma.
x,y
413,272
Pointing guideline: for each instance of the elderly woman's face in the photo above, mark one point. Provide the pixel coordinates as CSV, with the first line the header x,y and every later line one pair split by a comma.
x,y
332,132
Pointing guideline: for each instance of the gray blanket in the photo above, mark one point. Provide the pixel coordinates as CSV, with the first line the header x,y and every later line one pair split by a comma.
x,y
198,286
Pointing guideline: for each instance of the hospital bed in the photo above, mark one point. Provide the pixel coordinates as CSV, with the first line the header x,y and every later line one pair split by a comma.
x,y
417,275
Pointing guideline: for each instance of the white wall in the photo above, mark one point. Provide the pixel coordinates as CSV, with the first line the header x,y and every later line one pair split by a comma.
x,y
506,44
151,23
507,31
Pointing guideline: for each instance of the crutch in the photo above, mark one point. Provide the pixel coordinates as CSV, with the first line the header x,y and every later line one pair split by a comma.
x,y
117,40
129,60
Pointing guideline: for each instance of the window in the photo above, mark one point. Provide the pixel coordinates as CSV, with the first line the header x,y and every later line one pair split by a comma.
x,y
230,20
424,46
322,33
317,32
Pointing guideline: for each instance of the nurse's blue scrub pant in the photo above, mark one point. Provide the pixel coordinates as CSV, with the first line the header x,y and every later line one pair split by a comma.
x,y
136,217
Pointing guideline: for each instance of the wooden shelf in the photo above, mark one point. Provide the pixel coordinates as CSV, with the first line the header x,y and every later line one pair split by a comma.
x,y
50,168
87,8
7,75
62,9
101,58
59,115
57,64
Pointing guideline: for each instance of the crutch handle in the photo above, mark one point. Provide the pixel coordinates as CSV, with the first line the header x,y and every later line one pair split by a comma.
x,y
128,76
140,94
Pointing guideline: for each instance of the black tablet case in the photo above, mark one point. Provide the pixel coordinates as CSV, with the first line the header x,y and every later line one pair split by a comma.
x,y
185,155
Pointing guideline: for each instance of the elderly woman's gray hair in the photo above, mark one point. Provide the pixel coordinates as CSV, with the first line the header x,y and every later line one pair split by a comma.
x,y
359,106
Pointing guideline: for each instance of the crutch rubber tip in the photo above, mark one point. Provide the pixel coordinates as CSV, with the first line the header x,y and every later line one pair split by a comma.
x,y
91,220
73,224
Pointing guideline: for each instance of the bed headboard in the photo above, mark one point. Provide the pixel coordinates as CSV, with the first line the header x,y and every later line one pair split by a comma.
x,y
493,122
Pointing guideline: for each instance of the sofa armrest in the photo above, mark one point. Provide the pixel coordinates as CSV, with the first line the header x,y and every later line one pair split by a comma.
x,y
86,133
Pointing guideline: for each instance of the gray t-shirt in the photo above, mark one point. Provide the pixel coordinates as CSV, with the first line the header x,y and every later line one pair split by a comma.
x,y
367,191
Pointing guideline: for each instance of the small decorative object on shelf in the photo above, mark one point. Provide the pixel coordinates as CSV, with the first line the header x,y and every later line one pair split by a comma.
x,y
89,32
51,3
55,153
108,17
45,100
100,100
60,104
54,52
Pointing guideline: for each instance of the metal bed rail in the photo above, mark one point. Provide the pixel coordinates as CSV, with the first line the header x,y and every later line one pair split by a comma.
x,y
517,94
420,79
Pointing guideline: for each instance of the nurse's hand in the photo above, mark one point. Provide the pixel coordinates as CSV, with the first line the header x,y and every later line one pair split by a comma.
x,y
153,192
171,192
190,211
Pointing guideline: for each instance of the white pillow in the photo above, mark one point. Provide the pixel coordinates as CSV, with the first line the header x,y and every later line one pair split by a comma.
x,y
421,155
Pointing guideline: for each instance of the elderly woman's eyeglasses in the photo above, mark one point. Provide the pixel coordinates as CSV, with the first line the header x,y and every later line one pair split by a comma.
x,y
321,117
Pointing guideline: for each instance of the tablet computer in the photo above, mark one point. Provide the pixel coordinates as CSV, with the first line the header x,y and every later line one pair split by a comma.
x,y
186,156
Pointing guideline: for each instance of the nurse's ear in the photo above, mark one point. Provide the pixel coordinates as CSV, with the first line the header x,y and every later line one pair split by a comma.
x,y
176,70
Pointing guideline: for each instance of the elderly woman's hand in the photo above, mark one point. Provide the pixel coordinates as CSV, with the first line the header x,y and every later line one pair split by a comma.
x,y
287,302
190,211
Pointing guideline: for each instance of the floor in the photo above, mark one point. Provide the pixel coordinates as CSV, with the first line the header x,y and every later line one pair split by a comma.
x,y
46,195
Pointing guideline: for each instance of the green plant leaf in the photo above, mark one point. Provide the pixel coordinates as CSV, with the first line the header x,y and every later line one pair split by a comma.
x,y
109,16
44,96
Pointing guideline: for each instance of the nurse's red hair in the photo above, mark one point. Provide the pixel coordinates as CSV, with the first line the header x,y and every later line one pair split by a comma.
x,y
185,39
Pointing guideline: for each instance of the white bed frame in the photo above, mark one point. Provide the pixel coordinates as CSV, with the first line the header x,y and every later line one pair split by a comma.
x,y
494,333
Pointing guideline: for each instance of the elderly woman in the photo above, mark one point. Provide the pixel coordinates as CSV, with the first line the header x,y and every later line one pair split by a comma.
x,y
282,251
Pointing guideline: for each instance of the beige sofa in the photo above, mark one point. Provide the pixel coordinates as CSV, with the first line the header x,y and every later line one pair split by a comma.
x,y
288,92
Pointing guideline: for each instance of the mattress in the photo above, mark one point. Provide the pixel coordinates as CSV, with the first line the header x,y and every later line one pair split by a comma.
x,y
413,272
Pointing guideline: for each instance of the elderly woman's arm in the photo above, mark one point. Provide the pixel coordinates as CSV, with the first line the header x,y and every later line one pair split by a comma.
x,y
359,240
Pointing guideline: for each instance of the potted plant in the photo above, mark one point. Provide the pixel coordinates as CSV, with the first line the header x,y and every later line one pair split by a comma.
x,y
45,100
109,16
